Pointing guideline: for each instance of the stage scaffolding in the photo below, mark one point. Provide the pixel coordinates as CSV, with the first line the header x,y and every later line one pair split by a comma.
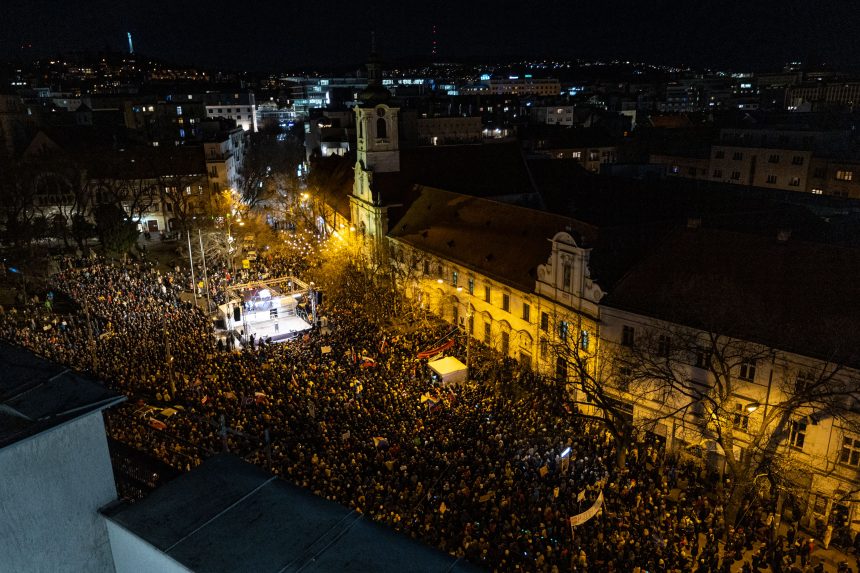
x,y
277,309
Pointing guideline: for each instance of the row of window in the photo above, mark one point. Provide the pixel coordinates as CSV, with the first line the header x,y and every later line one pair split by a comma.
x,y
772,158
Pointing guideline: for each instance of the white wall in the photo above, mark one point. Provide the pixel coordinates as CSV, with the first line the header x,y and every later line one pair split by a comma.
x,y
134,555
51,488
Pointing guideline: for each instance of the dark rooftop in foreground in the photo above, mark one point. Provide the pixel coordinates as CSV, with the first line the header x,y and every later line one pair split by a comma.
x,y
230,516
36,394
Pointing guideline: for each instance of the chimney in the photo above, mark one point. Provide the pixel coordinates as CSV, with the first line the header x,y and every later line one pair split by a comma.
x,y
782,235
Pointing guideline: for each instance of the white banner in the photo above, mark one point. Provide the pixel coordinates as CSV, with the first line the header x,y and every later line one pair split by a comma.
x,y
588,513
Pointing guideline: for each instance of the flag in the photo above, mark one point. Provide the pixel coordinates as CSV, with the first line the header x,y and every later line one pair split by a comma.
x,y
543,471
204,399
434,351
367,361
380,442
581,496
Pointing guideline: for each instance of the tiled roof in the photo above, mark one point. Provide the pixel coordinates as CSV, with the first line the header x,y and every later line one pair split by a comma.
x,y
498,240
793,295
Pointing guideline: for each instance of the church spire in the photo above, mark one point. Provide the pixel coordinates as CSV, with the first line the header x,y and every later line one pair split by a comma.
x,y
374,92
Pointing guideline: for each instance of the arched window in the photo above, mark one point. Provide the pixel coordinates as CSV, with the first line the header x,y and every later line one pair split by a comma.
x,y
381,129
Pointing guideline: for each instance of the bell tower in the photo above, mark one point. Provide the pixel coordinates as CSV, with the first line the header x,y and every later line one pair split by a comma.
x,y
378,151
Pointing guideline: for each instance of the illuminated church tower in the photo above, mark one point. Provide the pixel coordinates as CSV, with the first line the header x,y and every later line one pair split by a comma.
x,y
378,153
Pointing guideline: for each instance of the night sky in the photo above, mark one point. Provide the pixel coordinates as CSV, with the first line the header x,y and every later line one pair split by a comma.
x,y
281,34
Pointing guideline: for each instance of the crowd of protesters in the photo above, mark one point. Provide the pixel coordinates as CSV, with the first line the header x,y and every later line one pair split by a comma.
x,y
352,415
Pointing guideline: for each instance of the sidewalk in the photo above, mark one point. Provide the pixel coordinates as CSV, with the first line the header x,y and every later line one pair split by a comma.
x,y
831,557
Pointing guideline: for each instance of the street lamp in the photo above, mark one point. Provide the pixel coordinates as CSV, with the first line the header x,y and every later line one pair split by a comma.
x,y
752,407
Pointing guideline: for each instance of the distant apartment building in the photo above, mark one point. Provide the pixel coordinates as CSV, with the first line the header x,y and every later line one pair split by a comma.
x,y
240,107
821,95
525,86
553,115
224,152
681,166
168,120
770,167
835,177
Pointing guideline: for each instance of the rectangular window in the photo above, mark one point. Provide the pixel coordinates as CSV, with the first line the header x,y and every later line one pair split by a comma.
x,y
472,286
850,452
544,347
426,267
487,293
179,110
844,175
738,156
773,158
487,332
818,191
506,302
544,321
719,154
794,182
703,357
584,340
718,173
820,172
798,434
663,345
747,371
736,175
563,329
455,276
527,310
561,368
771,179
797,160
740,418
506,343
628,336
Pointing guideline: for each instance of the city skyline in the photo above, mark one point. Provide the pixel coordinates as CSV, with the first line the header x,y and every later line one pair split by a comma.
x,y
269,38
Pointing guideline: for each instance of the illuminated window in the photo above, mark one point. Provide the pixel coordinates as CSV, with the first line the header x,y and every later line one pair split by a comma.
x,y
563,328
179,110
584,339
455,276
818,191
844,175
471,286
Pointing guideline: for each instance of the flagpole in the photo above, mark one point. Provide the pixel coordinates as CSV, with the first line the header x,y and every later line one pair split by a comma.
x,y
191,262
205,274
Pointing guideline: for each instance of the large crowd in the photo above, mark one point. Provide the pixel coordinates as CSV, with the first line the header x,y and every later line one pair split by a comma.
x,y
352,415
